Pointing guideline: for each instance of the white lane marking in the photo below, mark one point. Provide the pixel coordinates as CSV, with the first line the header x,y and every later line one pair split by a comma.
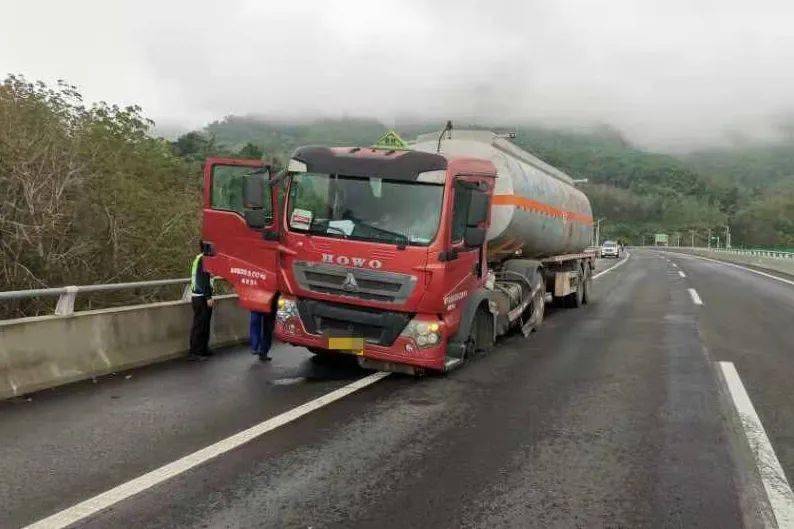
x,y
776,485
695,297
740,267
681,273
619,263
674,265
108,498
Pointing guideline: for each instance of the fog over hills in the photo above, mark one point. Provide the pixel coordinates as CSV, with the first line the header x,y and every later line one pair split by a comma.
x,y
671,75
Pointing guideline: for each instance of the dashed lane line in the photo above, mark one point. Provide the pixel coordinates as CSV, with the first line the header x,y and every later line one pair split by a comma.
x,y
681,273
740,267
126,490
695,296
776,486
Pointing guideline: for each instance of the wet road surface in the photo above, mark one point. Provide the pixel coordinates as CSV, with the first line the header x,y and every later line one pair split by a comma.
x,y
610,416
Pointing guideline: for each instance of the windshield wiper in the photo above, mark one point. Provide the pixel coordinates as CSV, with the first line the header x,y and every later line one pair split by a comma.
x,y
401,240
324,229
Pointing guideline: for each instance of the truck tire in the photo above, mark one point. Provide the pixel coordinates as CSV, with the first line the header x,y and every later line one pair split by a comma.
x,y
481,333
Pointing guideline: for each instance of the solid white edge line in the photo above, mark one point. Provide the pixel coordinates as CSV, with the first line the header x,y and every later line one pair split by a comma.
x,y
619,263
695,297
108,498
740,267
777,487
681,273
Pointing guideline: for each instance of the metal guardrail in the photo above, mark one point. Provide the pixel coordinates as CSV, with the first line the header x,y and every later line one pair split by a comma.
x,y
773,254
67,295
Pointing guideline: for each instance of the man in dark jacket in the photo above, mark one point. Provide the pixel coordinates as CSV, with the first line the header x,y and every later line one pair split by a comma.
x,y
201,299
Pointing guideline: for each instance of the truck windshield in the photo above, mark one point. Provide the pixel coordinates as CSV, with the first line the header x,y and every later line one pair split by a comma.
x,y
370,209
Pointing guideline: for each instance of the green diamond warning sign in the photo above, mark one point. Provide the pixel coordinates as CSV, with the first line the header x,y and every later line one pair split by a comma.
x,y
391,140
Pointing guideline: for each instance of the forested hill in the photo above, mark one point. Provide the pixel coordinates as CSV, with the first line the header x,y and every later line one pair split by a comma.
x,y
751,166
279,139
639,192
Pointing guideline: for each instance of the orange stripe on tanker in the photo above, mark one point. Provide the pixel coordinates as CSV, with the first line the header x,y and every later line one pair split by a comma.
x,y
539,207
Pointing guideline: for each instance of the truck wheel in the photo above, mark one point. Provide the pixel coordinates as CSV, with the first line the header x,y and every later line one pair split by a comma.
x,y
481,333
587,294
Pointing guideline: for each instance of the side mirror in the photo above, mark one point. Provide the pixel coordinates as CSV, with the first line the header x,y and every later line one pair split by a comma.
x,y
254,191
474,237
256,200
478,209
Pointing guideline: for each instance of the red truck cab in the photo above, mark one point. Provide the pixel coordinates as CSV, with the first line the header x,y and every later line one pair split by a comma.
x,y
376,252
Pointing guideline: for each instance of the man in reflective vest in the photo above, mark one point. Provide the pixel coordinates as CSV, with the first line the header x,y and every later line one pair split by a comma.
x,y
201,299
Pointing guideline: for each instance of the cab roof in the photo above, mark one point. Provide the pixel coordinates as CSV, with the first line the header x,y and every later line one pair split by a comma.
x,y
369,162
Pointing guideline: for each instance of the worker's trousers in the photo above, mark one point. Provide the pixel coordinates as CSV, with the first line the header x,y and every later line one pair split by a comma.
x,y
200,330
261,331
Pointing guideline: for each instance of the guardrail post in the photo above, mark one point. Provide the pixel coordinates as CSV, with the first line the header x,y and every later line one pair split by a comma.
x,y
65,305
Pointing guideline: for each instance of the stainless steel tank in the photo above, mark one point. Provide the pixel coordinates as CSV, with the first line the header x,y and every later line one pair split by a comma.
x,y
537,211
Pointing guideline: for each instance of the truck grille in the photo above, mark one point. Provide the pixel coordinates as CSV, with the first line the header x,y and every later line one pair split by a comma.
x,y
373,285
331,319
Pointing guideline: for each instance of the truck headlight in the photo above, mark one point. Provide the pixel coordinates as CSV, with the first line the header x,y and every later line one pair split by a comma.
x,y
287,308
423,333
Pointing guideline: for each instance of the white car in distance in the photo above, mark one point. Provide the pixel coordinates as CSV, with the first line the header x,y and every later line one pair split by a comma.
x,y
610,249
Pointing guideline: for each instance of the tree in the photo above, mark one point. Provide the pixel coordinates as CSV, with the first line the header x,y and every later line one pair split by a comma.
x,y
252,151
88,195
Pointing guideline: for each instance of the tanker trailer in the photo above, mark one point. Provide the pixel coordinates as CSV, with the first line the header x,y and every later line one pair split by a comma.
x,y
537,212
540,226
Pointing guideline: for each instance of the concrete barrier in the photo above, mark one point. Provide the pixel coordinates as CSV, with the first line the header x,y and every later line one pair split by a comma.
x,y
47,351
773,264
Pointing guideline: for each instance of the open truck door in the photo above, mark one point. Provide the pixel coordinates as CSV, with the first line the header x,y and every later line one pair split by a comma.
x,y
240,229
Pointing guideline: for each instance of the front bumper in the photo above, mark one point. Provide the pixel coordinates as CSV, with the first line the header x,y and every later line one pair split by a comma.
x,y
385,345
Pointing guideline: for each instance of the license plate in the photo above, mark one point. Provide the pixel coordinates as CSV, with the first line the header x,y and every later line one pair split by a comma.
x,y
354,344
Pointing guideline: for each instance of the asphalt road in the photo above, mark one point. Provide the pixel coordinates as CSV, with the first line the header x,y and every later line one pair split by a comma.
x,y
610,416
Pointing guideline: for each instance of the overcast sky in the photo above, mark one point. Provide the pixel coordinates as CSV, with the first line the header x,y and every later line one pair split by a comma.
x,y
672,73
